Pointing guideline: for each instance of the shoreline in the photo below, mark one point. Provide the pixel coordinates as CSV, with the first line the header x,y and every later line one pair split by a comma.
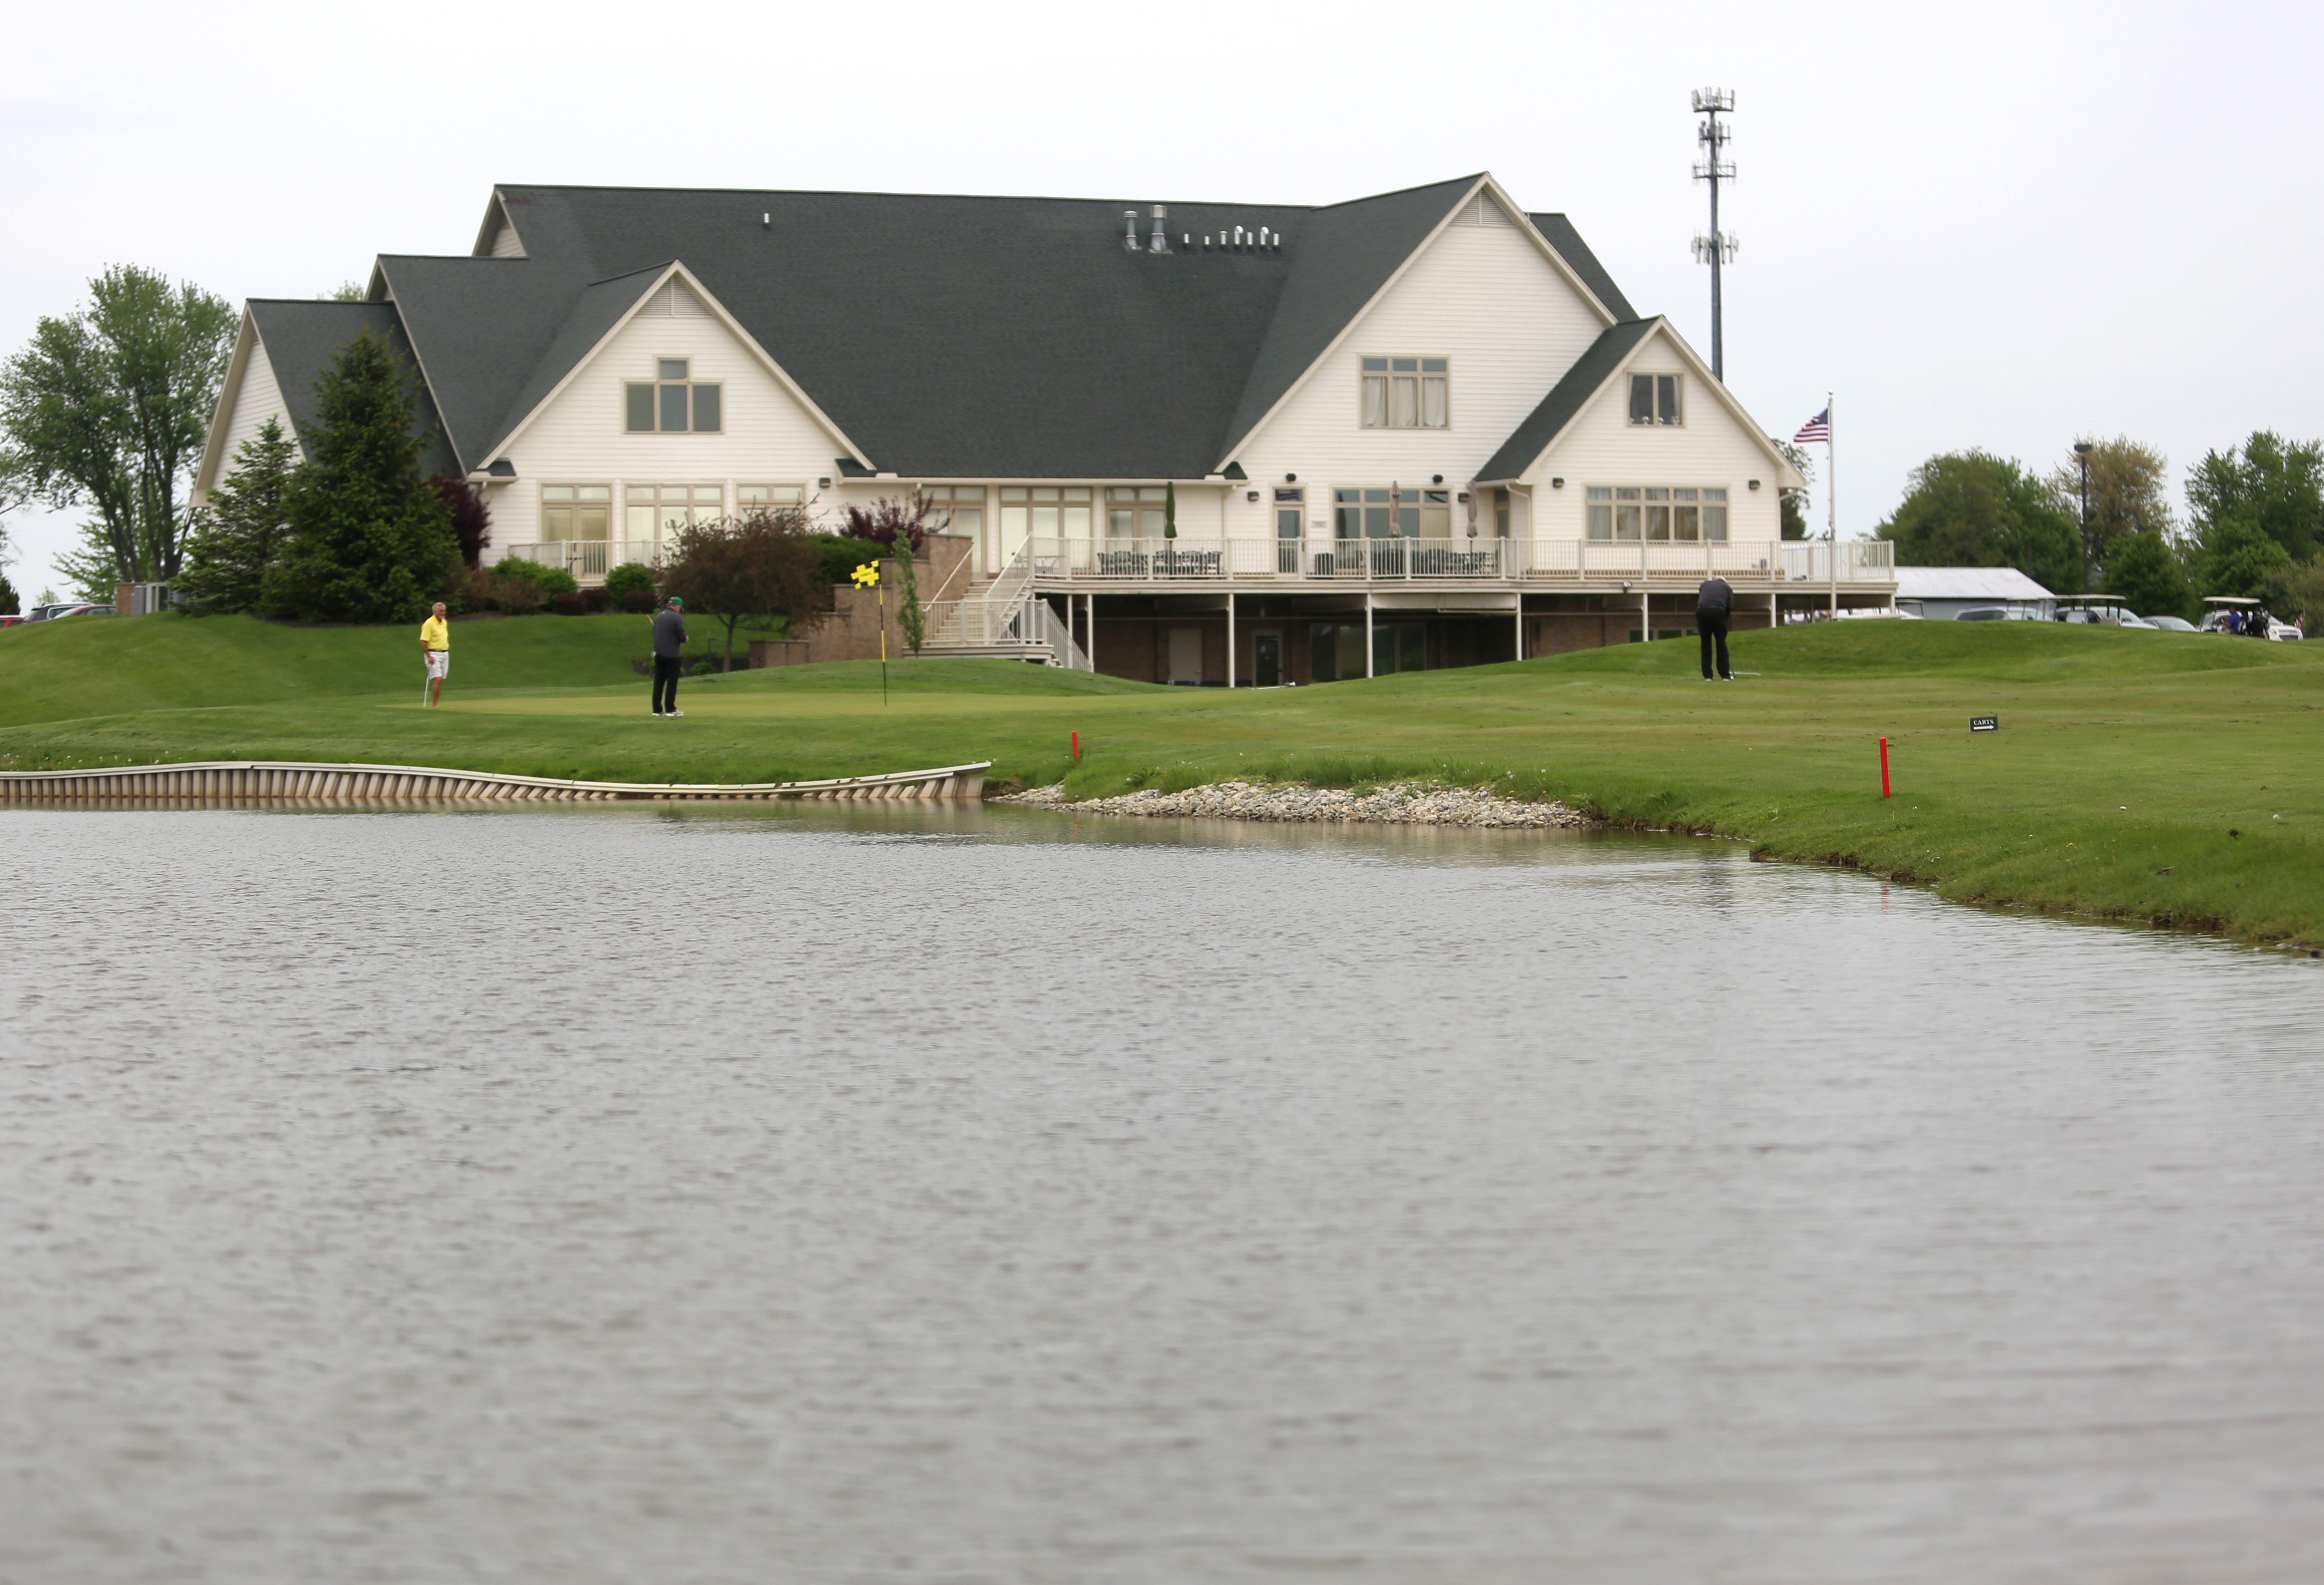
x,y
1400,803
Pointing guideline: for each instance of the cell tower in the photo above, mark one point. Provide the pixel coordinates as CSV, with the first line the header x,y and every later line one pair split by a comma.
x,y
1718,247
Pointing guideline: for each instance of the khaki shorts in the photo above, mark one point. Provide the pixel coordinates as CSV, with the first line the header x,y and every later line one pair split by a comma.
x,y
439,662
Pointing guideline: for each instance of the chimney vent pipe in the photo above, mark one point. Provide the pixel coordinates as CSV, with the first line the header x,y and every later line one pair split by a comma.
x,y
1161,242
1130,231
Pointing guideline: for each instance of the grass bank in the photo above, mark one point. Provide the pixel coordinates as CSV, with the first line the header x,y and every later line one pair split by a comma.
x,y
2164,778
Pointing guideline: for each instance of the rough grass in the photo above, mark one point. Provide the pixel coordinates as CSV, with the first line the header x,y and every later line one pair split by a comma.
x,y
2151,776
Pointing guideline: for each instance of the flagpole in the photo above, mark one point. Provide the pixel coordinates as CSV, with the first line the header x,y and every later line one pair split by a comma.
x,y
1831,502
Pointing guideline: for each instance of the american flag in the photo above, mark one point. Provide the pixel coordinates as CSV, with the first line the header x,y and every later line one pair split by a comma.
x,y
1818,428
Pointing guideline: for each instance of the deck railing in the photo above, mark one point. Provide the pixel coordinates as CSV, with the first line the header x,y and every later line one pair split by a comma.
x,y
1479,560
588,558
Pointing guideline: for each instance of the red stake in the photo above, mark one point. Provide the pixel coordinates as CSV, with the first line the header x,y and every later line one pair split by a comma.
x,y
1078,745
1884,768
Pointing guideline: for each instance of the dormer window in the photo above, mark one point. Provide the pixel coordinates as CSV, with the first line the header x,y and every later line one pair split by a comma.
x,y
1654,399
674,404
1406,393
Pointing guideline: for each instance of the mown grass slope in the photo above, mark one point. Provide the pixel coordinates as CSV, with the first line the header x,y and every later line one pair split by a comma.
x,y
2170,778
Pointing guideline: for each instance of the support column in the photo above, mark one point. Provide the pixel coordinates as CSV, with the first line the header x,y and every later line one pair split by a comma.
x,y
1089,629
1367,625
1230,641
1521,627
1646,616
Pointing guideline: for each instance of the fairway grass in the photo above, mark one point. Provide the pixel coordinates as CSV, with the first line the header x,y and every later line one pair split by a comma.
x,y
2161,778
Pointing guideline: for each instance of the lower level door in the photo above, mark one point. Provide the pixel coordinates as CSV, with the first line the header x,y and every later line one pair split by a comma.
x,y
1266,660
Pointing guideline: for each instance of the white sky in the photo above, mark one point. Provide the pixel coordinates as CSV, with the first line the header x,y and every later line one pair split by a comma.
x,y
1982,224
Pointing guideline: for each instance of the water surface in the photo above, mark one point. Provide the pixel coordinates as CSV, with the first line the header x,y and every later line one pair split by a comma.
x,y
747,1195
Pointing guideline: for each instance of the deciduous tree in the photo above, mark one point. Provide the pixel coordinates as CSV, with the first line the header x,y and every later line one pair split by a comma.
x,y
368,540
2129,495
2271,484
1793,504
230,546
1974,509
107,409
737,570
901,527
472,519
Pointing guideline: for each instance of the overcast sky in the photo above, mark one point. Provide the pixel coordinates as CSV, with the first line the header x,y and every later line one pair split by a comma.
x,y
1982,224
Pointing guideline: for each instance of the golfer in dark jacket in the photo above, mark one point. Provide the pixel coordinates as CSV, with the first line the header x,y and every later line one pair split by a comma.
x,y
1714,603
669,644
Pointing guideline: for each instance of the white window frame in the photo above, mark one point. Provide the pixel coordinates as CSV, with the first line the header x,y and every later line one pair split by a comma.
x,y
1381,383
661,384
1643,509
570,505
698,498
1658,416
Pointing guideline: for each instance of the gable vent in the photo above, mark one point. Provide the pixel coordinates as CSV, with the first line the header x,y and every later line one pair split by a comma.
x,y
1482,210
673,302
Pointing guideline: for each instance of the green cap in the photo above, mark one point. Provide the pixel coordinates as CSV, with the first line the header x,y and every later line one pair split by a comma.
x,y
675,600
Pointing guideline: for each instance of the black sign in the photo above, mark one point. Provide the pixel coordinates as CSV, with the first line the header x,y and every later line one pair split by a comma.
x,y
1985,723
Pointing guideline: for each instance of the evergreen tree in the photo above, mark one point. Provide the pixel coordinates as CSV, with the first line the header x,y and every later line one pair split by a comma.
x,y
233,543
2145,570
9,604
367,539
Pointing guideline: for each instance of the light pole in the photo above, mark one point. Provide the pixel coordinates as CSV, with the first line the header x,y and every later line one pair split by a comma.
x,y
2082,456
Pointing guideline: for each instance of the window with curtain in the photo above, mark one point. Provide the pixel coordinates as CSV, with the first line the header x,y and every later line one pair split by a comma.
x,y
1406,393
1679,514
1654,399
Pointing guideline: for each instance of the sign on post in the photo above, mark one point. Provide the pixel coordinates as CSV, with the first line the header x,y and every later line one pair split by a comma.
x,y
1985,723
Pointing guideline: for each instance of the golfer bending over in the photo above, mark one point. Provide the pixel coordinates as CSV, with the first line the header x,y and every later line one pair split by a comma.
x,y
669,645
1714,604
436,650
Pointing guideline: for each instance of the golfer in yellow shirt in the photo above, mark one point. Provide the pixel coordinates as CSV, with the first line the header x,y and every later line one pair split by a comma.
x,y
436,650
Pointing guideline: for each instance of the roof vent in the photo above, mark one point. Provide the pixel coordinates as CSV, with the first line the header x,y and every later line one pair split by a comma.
x,y
1161,242
1130,231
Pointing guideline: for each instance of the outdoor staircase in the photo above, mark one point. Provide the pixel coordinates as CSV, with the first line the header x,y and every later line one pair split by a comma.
x,y
1005,621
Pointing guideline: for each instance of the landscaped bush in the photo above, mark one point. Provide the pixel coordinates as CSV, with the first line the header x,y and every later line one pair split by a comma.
x,y
837,556
568,604
549,580
593,600
639,601
630,579
472,589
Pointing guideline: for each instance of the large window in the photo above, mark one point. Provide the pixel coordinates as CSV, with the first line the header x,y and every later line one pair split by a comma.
x,y
1042,511
1407,393
1686,512
674,403
1392,514
652,510
576,512
954,509
754,500
1654,399
1135,511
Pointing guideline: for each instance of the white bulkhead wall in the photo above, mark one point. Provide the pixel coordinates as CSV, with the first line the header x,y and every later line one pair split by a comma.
x,y
1482,296
581,438
1712,447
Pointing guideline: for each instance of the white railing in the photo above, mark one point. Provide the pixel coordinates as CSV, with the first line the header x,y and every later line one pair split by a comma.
x,y
1861,561
588,558
1068,654
1457,561
1001,614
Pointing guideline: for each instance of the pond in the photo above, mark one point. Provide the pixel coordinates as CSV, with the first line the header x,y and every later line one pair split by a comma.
x,y
749,1194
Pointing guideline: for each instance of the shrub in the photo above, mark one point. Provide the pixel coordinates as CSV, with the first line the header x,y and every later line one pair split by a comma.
x,y
630,578
837,556
549,580
472,589
593,600
640,602
568,604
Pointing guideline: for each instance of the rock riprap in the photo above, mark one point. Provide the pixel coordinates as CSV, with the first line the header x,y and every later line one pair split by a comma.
x,y
1391,804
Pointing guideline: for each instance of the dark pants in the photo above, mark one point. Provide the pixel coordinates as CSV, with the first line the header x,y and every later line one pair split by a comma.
x,y
1712,626
666,682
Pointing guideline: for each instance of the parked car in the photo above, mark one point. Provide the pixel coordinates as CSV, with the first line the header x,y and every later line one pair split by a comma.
x,y
81,608
2169,623
2128,620
8,620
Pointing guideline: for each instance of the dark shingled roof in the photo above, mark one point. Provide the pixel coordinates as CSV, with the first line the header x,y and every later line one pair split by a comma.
x,y
1559,232
946,337
1533,435
300,337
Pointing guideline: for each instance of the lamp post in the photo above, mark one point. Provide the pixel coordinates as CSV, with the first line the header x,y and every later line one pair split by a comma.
x,y
2082,456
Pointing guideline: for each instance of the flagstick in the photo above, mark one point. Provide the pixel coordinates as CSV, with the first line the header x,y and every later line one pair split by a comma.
x,y
1831,502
